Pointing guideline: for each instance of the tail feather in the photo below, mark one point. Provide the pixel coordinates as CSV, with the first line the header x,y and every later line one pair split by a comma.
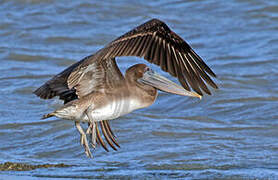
x,y
48,115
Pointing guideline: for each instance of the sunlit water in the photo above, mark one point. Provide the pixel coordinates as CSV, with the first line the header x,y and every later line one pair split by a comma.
x,y
231,134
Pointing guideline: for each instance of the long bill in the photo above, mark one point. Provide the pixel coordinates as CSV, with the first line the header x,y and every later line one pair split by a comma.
x,y
154,79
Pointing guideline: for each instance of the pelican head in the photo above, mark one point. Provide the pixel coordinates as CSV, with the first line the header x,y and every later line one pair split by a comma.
x,y
145,76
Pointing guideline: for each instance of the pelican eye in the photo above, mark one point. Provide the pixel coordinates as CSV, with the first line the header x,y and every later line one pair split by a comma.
x,y
147,69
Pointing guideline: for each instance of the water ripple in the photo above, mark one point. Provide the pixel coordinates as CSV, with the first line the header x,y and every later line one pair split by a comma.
x,y
229,135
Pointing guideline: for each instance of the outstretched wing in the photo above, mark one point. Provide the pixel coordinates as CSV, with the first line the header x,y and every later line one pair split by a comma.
x,y
57,86
158,44
71,84
155,41
97,76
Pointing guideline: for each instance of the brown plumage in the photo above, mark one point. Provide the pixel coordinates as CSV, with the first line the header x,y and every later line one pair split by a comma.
x,y
155,42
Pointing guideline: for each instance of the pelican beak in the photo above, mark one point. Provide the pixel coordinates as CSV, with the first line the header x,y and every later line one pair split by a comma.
x,y
155,80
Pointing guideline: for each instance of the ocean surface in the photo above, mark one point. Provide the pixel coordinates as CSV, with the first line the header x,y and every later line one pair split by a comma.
x,y
232,134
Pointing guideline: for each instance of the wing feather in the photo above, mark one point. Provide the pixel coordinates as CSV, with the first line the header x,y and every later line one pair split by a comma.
x,y
163,56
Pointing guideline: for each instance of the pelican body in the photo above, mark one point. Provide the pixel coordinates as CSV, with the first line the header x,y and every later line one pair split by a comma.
x,y
95,91
108,103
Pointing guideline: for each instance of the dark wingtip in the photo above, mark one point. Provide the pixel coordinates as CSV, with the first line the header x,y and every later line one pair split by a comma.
x,y
211,72
208,92
37,91
44,92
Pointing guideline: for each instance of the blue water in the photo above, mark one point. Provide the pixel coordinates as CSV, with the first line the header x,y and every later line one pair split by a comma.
x,y
232,134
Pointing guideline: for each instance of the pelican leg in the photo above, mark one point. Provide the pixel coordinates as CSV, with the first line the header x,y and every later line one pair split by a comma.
x,y
83,139
92,132
91,129
95,134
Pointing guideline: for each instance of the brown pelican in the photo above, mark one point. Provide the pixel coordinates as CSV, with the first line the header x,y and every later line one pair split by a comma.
x,y
95,91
